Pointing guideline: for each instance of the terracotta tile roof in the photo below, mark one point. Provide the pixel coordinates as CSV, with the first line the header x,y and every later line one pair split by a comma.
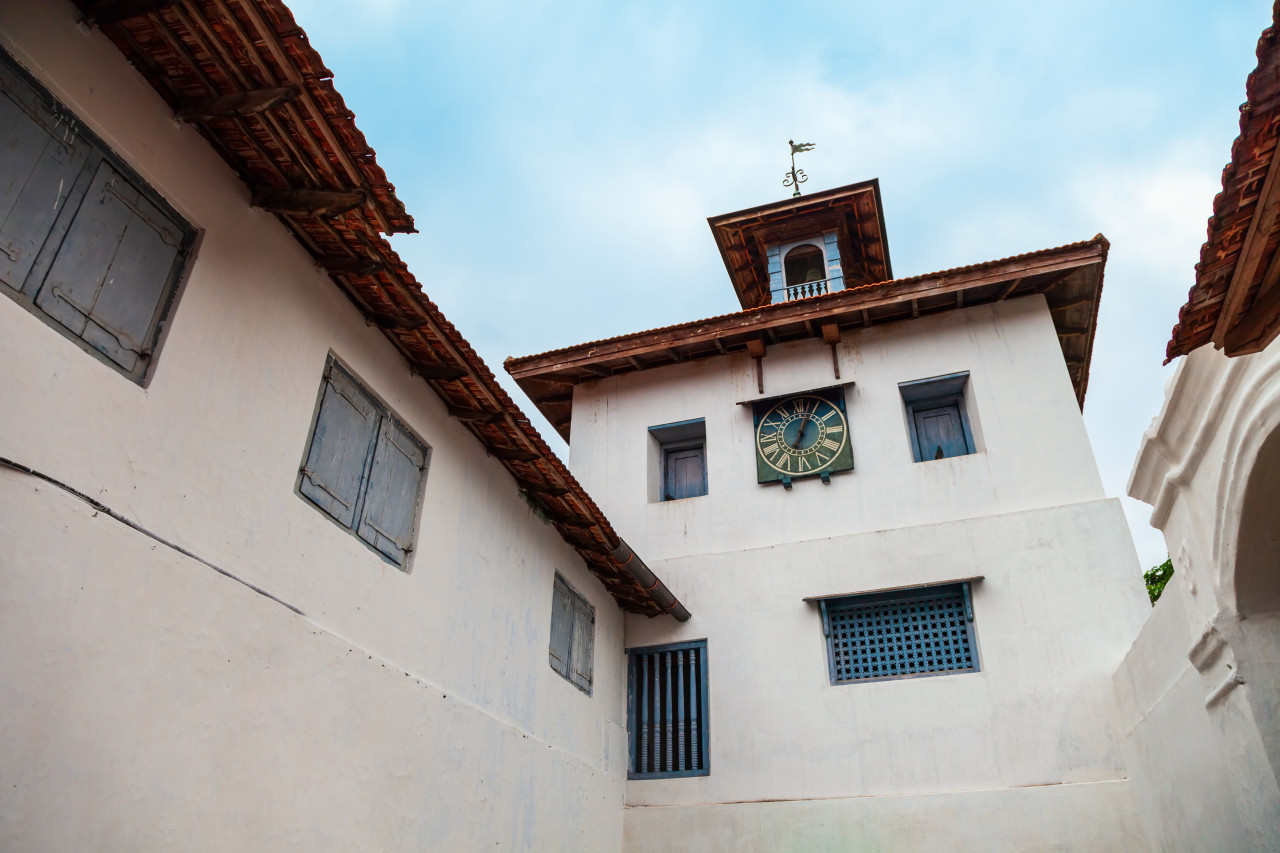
x,y
1241,235
1070,276
216,63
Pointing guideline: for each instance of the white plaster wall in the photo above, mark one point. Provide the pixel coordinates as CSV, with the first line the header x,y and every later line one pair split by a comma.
x,y
1199,689
1033,449
1093,817
110,680
1021,755
1059,604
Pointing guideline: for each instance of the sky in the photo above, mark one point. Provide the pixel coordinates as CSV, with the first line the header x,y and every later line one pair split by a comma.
x,y
561,159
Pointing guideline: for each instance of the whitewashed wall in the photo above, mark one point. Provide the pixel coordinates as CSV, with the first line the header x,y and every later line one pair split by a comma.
x,y
151,703
1201,688
1033,449
1021,755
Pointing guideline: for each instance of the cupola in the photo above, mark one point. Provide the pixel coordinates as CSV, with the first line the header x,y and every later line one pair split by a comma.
x,y
805,246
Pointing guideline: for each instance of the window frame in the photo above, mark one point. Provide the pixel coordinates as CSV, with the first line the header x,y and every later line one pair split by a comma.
x,y
680,437
932,590
574,598
28,292
935,393
384,412
704,709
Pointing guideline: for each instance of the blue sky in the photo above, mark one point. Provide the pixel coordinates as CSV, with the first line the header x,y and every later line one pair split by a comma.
x,y
561,159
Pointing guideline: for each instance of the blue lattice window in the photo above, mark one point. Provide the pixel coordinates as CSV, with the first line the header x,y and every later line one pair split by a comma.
x,y
925,631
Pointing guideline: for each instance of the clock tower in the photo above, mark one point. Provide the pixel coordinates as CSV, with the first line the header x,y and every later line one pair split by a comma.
x,y
870,639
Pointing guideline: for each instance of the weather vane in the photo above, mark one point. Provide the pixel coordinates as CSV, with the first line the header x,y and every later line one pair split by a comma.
x,y
796,177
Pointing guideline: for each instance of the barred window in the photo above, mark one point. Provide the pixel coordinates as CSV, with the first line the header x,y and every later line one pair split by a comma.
x,y
667,706
924,631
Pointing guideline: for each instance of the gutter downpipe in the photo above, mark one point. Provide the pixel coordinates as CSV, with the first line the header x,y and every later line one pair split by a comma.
x,y
635,567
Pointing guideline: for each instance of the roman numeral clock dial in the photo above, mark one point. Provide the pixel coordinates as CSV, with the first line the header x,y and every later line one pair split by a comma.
x,y
802,435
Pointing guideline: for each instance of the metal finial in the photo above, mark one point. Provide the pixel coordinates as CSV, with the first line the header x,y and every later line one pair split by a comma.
x,y
796,177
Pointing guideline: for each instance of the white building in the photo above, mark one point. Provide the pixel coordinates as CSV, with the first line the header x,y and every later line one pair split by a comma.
x,y
205,647
282,566
972,488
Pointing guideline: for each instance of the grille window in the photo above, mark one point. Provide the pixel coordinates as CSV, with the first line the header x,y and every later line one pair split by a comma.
x,y
925,631
667,711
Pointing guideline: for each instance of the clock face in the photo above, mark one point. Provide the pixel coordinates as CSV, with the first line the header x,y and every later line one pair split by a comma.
x,y
802,434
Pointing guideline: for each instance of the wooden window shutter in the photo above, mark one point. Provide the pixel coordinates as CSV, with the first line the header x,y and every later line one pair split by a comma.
x,y
939,432
42,158
346,427
685,473
561,627
583,647
391,499
109,276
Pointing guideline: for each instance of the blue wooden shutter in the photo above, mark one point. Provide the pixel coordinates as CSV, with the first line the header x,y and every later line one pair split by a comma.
x,y
561,627
110,274
582,655
346,427
685,473
940,433
391,499
42,155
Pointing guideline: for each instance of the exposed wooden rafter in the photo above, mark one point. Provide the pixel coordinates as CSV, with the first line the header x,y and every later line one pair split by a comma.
x,y
303,202
238,104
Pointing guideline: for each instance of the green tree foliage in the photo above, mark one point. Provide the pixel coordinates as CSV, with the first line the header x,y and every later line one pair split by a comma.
x,y
1156,578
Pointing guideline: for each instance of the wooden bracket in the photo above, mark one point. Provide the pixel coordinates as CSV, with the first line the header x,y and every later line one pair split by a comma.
x,y
756,349
114,11
238,103
296,202
831,335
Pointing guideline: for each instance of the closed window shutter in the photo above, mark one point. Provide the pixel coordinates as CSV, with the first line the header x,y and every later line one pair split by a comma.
x,y
686,473
584,629
561,627
346,427
112,269
42,158
391,500
940,433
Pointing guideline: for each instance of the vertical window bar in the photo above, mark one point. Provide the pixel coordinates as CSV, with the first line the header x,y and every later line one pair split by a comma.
x,y
668,728
655,760
681,743
695,701
642,691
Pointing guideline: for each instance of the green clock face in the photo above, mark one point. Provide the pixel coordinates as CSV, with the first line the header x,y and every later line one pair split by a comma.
x,y
800,435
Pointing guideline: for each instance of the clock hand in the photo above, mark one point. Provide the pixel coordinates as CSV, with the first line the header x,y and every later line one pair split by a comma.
x,y
804,422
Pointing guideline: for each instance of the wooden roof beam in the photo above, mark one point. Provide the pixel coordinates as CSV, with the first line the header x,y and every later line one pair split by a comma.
x,y
299,202
113,11
350,265
237,104
439,372
513,454
474,416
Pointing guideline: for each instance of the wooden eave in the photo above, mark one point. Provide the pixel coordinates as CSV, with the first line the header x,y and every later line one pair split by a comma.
x,y
854,212
1070,277
303,157
1235,301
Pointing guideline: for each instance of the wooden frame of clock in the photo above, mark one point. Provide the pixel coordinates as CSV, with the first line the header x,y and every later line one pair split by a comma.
x,y
801,435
